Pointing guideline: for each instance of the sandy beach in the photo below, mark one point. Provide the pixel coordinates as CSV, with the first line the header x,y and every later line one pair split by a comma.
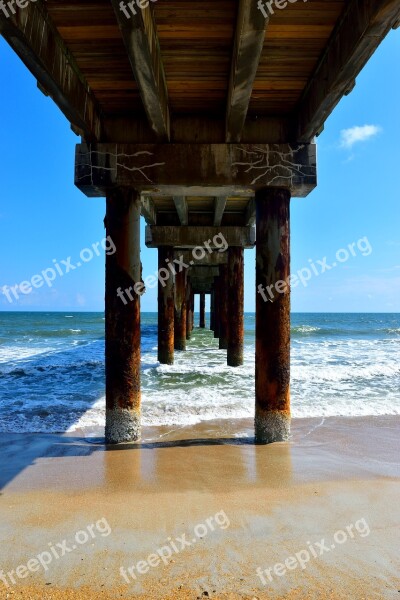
x,y
251,507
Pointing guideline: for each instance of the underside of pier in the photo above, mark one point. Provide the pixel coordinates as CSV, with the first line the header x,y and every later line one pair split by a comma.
x,y
201,117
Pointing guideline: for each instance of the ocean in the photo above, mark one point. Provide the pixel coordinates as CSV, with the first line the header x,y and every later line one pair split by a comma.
x,y
52,371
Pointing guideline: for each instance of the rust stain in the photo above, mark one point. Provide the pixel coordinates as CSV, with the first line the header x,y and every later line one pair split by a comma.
x,y
273,317
235,306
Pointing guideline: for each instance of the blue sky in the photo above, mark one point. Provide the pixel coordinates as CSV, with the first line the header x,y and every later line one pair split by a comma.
x,y
43,217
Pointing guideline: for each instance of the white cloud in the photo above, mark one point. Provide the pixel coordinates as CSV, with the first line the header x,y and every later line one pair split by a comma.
x,y
349,137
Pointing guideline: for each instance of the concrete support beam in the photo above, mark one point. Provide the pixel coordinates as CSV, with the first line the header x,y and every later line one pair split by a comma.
x,y
248,47
149,211
195,169
180,311
213,259
202,310
192,305
189,314
236,306
216,306
166,308
219,208
203,272
139,33
196,237
272,418
223,308
250,219
182,209
122,343
199,287
212,306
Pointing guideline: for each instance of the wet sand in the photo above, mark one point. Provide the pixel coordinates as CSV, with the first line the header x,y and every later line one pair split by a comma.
x,y
258,507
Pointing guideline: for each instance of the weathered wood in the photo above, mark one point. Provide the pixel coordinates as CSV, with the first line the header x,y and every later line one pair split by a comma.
x,y
355,38
139,33
197,42
199,128
249,41
195,169
181,209
220,204
196,237
32,35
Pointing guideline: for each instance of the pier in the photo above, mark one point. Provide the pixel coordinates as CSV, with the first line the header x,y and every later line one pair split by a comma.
x,y
202,119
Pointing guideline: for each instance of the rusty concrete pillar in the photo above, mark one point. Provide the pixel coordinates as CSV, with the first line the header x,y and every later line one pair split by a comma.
x,y
180,311
235,306
202,310
223,308
272,418
216,307
188,309
166,292
191,310
122,317
212,305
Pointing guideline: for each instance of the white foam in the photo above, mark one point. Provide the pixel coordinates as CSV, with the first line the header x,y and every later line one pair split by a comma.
x,y
18,353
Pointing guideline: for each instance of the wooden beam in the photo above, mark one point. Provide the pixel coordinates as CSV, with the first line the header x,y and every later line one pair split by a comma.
x,y
249,42
195,169
140,37
355,38
202,129
148,210
32,35
250,218
219,208
182,209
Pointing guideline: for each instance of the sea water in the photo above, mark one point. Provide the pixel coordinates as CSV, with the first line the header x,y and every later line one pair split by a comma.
x,y
52,371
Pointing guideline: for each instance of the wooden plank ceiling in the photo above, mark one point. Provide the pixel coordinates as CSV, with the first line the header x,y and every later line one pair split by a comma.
x,y
196,40
210,71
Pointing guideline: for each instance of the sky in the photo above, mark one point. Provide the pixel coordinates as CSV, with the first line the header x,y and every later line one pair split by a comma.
x,y
352,218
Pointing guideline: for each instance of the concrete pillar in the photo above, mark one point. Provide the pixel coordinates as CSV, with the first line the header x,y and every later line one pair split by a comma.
x,y
212,303
272,418
216,307
235,306
192,310
166,290
188,309
180,311
223,308
202,310
122,310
